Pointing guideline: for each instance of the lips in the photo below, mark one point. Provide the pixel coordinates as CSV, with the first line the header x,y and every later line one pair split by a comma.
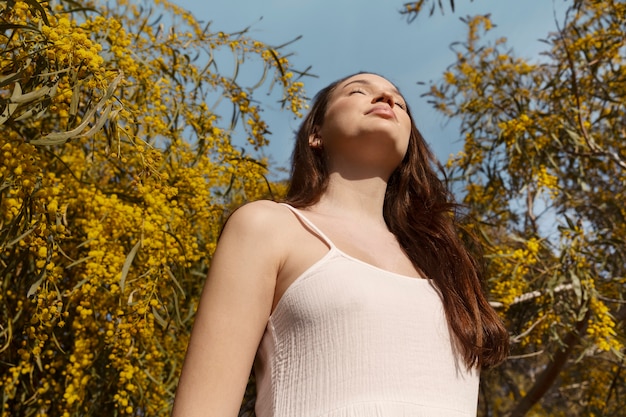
x,y
382,110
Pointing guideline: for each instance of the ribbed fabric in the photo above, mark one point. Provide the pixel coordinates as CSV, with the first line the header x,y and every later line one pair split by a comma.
x,y
349,339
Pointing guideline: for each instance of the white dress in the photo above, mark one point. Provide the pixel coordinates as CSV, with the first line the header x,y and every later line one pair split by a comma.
x,y
348,339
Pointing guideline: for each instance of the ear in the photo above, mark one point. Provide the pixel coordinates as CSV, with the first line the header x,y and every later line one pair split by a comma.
x,y
315,140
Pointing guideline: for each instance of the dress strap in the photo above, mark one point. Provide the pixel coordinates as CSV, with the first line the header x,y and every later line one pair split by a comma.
x,y
309,224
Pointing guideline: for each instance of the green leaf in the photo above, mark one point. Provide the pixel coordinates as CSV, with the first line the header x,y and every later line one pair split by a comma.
x,y
33,288
577,287
127,263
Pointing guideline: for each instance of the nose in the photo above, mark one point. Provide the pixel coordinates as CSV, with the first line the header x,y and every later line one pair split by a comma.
x,y
384,97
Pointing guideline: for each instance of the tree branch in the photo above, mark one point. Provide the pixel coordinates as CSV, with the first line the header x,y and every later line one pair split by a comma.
x,y
551,372
530,296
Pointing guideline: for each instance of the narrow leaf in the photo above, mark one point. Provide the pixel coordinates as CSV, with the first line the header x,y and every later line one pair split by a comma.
x,y
127,264
33,288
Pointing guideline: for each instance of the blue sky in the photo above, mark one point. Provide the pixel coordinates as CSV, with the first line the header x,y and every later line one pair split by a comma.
x,y
340,37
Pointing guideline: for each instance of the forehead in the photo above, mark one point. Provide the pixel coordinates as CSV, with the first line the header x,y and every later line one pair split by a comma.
x,y
372,80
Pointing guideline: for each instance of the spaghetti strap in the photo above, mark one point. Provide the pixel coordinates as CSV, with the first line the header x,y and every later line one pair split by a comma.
x,y
310,224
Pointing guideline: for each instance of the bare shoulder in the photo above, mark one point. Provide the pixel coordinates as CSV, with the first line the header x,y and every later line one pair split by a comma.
x,y
263,219
261,214
257,232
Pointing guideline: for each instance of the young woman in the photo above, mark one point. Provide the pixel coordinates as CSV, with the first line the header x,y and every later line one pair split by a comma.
x,y
354,297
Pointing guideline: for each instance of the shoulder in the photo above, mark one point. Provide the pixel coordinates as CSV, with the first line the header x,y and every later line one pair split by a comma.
x,y
263,219
261,214
259,230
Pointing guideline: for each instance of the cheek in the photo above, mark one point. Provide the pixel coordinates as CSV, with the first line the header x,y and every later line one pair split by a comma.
x,y
407,129
406,135
336,124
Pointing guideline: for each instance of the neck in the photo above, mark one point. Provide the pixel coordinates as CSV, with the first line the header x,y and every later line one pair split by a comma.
x,y
358,199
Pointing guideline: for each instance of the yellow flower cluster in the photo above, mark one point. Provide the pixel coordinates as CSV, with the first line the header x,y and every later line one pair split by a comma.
x,y
538,331
548,182
511,130
481,197
71,45
474,24
510,268
475,194
601,327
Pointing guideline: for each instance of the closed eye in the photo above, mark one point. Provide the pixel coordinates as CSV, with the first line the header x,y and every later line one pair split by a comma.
x,y
397,103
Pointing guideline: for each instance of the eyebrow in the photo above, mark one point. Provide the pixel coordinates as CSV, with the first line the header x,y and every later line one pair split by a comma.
x,y
368,83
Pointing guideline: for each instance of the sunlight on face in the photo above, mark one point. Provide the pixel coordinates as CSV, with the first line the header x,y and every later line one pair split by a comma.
x,y
366,117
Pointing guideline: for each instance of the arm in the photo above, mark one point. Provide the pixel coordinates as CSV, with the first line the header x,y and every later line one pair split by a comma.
x,y
234,308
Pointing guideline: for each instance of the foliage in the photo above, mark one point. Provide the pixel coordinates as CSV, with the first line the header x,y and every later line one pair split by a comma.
x,y
116,173
543,171
413,9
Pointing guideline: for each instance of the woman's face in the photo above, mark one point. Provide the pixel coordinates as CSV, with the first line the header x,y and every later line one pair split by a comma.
x,y
365,123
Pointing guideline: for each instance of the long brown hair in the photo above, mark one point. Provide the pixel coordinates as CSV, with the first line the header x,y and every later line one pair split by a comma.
x,y
420,211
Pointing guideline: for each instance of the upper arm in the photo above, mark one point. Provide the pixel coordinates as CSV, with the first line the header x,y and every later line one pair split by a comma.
x,y
234,308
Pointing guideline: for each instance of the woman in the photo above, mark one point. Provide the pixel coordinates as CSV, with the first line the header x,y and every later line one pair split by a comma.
x,y
357,298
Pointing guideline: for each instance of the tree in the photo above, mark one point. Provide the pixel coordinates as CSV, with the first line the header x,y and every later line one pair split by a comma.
x,y
117,170
543,173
